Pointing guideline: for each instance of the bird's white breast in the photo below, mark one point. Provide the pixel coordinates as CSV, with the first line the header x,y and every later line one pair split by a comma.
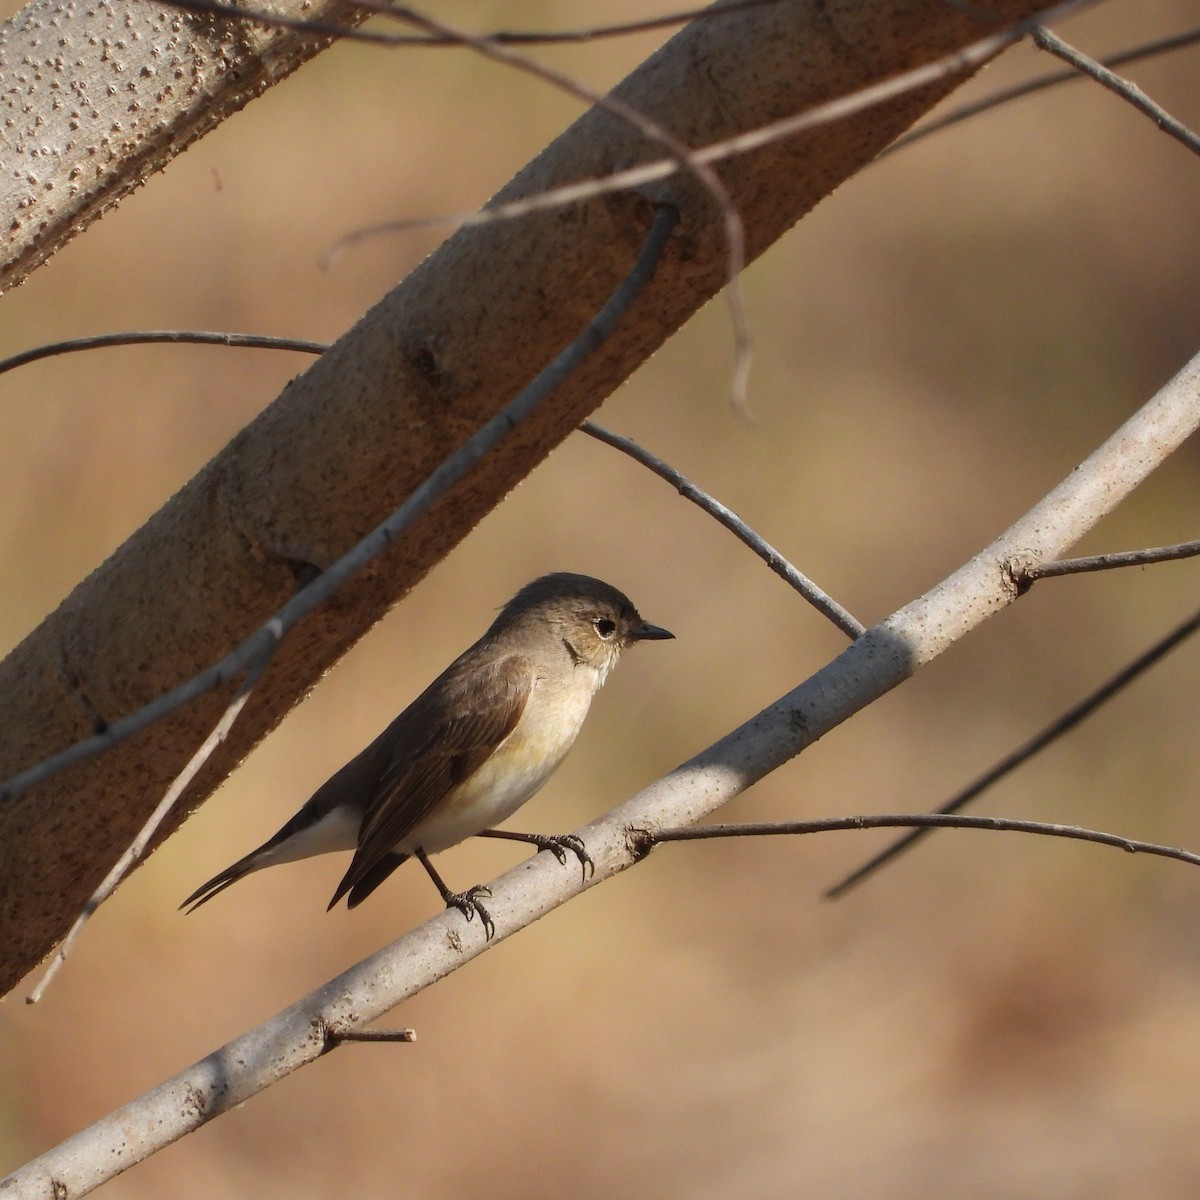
x,y
517,768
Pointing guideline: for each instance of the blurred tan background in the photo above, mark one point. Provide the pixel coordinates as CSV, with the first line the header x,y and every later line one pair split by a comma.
x,y
996,1016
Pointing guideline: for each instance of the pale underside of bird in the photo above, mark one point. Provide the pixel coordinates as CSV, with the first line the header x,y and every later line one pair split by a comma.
x,y
469,750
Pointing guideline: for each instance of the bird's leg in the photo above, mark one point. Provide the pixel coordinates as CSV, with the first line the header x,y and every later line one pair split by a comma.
x,y
557,843
466,902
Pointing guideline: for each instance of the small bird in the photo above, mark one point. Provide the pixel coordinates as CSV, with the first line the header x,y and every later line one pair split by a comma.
x,y
469,750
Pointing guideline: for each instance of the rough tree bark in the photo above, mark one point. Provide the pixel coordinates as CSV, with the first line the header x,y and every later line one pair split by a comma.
x,y
97,95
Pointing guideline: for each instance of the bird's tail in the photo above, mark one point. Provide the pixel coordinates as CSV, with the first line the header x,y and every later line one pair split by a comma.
x,y
218,883
315,829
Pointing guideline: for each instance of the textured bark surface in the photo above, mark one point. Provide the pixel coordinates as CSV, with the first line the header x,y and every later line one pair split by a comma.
x,y
97,95
347,441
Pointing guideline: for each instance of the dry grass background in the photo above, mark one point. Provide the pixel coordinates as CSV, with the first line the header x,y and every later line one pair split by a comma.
x,y
996,1017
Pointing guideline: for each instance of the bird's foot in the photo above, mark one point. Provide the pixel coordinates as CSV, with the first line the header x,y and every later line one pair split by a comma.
x,y
559,843
468,903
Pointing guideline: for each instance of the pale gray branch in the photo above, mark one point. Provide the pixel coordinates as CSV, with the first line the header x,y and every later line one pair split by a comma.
x,y
883,657
137,848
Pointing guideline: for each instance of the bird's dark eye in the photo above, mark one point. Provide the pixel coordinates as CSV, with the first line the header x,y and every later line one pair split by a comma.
x,y
604,627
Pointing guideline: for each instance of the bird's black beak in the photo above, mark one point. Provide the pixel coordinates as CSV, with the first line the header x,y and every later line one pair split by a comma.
x,y
652,633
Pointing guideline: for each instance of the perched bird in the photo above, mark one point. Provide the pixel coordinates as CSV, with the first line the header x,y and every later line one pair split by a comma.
x,y
469,750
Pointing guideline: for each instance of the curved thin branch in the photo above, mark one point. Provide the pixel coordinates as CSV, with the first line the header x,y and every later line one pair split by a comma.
x,y
820,600
697,833
197,337
443,40
510,37
655,132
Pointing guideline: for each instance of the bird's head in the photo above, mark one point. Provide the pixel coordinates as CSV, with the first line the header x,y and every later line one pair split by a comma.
x,y
590,619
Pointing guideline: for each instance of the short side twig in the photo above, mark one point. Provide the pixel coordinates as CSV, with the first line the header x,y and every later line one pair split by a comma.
x,y
337,1036
1104,562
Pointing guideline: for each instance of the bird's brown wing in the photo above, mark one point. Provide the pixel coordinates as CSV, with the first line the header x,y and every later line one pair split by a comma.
x,y
442,738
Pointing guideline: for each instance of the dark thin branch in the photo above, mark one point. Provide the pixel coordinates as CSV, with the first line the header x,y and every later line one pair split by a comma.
x,y
1024,575
1165,45
436,485
508,37
1051,733
153,336
822,602
920,821
1118,85
502,37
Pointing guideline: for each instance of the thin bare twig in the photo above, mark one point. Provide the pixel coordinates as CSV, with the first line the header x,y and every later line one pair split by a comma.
x,y
329,581
1051,733
509,37
1104,562
693,833
331,29
154,336
957,62
821,601
1118,85
137,847
1178,41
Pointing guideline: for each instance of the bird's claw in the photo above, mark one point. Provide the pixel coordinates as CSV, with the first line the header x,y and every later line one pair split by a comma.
x,y
558,845
468,903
